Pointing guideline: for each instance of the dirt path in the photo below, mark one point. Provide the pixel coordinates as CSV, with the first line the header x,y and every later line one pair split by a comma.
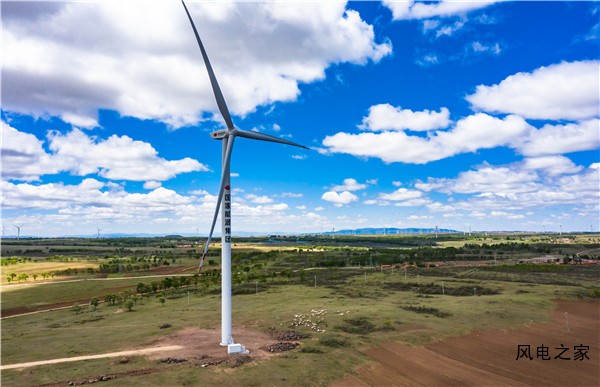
x,y
490,357
185,343
145,351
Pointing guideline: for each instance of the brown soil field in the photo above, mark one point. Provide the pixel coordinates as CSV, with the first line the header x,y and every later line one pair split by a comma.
x,y
489,358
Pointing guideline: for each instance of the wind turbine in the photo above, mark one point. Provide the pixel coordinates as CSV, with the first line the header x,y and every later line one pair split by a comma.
x,y
227,136
18,231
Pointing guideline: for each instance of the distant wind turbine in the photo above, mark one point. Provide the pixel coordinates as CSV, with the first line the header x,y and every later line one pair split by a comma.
x,y
18,231
227,136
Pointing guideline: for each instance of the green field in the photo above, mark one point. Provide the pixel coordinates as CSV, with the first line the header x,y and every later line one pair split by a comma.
x,y
360,307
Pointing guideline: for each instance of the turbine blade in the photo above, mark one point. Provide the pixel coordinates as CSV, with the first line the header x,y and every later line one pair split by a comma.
x,y
265,137
211,74
219,197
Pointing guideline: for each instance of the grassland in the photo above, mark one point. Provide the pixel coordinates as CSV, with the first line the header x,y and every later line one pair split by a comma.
x,y
353,309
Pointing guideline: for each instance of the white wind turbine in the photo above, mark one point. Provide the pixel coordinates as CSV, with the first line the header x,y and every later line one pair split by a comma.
x,y
227,136
18,231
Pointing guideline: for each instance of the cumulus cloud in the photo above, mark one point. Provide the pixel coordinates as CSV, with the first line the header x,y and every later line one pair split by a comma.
x,y
558,139
263,199
147,64
152,184
388,117
478,131
551,165
494,179
349,185
568,90
23,156
70,207
89,193
339,198
531,183
402,194
411,9
117,158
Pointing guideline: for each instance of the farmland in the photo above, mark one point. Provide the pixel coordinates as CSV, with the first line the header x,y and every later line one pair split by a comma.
x,y
350,296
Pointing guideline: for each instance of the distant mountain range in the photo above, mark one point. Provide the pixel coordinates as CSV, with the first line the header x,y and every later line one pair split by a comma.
x,y
391,231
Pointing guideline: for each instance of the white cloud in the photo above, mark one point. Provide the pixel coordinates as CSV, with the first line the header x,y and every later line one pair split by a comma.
x,y
402,194
147,64
482,48
450,29
531,183
91,203
418,217
320,208
117,158
339,199
478,131
397,183
568,90
552,165
153,184
507,215
499,180
557,139
199,192
388,117
301,208
259,199
411,9
427,60
349,185
23,156
291,195
299,157
90,193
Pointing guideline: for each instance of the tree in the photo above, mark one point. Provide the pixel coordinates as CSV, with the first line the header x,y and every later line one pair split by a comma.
x,y
129,304
162,301
141,288
34,276
9,278
94,303
23,277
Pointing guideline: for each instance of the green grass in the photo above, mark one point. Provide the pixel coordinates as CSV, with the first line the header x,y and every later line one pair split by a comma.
x,y
344,304
37,296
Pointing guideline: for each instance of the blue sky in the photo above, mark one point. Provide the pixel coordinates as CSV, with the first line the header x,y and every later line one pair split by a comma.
x,y
481,115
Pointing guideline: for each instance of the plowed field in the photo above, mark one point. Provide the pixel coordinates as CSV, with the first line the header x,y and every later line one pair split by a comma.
x,y
490,358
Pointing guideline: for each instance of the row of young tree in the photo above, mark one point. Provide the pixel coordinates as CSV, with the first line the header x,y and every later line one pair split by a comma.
x,y
24,277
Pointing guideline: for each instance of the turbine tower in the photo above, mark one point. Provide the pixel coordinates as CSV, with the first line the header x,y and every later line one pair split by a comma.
x,y
18,231
227,136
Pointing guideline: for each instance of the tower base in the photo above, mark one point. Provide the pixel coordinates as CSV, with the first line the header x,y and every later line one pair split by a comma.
x,y
236,348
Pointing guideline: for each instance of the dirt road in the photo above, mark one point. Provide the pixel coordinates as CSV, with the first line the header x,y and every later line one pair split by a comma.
x,y
144,351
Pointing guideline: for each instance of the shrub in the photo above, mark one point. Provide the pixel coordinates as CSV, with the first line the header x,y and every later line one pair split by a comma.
x,y
311,350
333,342
425,310
358,325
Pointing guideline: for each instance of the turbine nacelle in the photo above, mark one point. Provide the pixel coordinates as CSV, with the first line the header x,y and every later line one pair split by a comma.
x,y
219,134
